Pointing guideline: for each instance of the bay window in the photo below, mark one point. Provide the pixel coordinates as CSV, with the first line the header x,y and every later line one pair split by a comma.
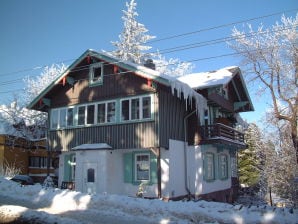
x,y
131,109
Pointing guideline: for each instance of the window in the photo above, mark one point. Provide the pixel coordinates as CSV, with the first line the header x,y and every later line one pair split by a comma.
x,y
38,162
111,112
62,118
147,107
136,108
101,113
142,167
90,114
131,109
125,110
54,119
81,115
223,166
73,167
96,73
106,112
70,113
209,167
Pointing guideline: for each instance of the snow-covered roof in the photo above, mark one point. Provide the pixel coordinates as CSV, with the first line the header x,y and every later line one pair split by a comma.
x,y
208,79
94,146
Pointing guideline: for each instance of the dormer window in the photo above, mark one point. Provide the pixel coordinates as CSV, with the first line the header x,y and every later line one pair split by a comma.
x,y
96,73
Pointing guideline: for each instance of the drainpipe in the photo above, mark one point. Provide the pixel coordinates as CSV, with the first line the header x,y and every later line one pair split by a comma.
x,y
185,154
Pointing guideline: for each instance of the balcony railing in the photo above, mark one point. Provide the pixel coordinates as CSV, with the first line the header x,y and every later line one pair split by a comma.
x,y
221,131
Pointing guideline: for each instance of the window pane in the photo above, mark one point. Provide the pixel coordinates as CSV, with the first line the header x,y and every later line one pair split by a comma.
x,y
70,117
142,167
62,120
135,109
210,167
81,115
90,175
96,73
125,110
111,116
90,114
54,119
147,107
101,113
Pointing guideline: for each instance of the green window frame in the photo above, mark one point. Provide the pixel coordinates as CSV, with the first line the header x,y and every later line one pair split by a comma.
x,y
223,166
209,166
131,172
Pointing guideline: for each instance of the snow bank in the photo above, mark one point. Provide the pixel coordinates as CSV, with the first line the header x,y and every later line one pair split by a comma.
x,y
90,207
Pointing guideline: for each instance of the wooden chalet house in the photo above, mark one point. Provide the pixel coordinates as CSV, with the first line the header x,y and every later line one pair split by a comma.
x,y
118,125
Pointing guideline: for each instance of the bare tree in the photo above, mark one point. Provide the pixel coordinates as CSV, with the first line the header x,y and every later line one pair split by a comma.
x,y
270,57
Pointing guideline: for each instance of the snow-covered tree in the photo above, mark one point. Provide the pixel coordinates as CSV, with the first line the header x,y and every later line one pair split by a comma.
x,y
172,67
133,38
132,46
34,86
271,58
18,121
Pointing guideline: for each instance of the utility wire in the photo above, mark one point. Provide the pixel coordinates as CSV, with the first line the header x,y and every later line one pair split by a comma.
x,y
165,38
129,71
183,47
220,26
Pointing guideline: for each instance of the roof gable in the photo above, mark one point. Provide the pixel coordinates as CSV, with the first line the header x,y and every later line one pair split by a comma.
x,y
131,67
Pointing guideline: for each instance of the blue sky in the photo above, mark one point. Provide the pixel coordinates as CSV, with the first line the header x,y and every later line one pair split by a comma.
x,y
37,33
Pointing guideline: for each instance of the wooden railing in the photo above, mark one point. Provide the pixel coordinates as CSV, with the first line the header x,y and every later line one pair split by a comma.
x,y
218,130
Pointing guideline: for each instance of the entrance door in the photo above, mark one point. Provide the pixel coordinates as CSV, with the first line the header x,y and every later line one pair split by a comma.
x,y
90,180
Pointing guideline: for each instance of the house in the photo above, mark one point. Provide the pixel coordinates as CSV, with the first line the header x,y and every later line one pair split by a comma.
x,y
121,126
28,157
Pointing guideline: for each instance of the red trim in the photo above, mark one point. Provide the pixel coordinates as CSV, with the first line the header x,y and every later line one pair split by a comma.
x,y
149,82
64,81
115,69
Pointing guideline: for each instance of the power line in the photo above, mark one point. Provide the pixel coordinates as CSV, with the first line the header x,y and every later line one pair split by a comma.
x,y
81,68
183,47
220,26
165,38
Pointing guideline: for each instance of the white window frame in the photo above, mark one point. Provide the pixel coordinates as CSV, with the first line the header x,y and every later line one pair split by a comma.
x,y
106,112
140,98
91,73
136,163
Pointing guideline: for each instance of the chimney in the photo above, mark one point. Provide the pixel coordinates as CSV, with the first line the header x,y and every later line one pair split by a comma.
x,y
149,64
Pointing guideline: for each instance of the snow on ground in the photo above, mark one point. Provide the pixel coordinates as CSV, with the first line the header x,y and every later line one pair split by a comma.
x,y
41,205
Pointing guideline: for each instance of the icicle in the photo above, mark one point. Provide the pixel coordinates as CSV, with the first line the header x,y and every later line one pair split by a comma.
x,y
188,95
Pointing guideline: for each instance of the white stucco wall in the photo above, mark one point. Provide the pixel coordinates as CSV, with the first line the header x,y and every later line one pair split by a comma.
x,y
195,181
97,157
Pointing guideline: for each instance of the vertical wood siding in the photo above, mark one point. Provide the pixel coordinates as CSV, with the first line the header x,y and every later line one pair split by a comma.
x,y
171,114
122,136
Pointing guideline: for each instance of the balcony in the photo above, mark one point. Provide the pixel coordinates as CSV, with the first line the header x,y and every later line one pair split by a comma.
x,y
222,134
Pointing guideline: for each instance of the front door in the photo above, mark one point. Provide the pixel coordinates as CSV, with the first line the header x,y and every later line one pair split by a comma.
x,y
90,178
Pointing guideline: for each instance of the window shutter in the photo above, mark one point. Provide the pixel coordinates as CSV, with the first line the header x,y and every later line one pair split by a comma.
x,y
153,169
66,176
128,167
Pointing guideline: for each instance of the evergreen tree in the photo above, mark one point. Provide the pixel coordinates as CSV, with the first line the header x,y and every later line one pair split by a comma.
x,y
131,46
133,37
249,159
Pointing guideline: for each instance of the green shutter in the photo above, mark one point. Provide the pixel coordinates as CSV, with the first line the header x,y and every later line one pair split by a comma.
x,y
67,169
128,168
153,169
